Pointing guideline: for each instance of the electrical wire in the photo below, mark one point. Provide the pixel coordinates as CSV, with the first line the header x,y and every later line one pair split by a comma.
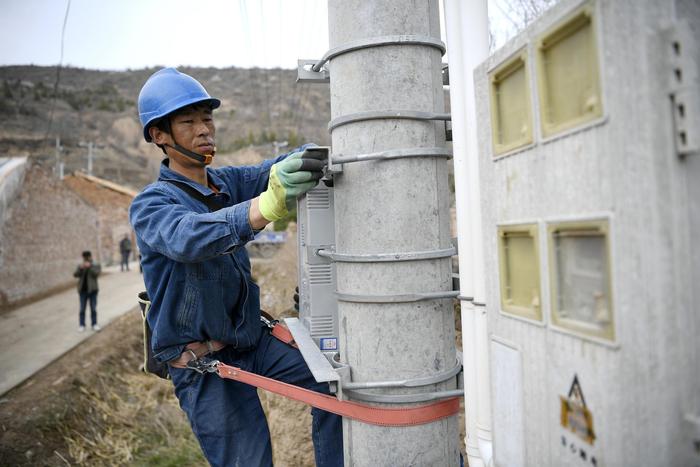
x,y
58,72
306,90
300,87
253,74
280,76
297,86
266,73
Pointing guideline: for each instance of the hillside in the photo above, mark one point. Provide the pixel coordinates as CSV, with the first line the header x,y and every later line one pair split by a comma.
x,y
258,106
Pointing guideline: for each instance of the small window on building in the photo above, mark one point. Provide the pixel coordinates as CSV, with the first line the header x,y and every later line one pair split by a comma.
x,y
510,106
580,278
519,270
568,76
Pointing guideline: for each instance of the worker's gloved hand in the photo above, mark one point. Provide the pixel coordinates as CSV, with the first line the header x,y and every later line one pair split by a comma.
x,y
289,179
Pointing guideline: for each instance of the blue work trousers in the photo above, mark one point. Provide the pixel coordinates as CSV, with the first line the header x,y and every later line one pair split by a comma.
x,y
84,298
125,260
228,419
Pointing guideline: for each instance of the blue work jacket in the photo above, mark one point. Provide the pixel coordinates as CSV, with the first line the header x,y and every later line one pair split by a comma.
x,y
195,265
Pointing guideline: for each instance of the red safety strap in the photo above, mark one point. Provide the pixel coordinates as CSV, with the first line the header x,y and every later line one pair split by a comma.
x,y
284,334
381,416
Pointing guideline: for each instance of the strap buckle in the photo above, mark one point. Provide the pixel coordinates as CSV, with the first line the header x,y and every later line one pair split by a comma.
x,y
203,365
269,323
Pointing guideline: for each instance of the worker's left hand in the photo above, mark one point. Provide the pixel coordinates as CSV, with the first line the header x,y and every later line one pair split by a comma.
x,y
289,179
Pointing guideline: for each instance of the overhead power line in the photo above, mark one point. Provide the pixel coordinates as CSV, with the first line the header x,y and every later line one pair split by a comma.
x,y
300,88
254,74
266,72
280,75
58,72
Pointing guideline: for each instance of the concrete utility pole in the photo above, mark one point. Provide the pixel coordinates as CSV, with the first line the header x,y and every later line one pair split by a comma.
x,y
57,169
393,249
90,145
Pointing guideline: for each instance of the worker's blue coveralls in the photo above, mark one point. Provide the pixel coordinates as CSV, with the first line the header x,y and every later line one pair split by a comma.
x,y
197,274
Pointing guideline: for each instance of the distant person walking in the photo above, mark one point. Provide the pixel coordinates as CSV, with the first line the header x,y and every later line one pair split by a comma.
x,y
125,250
87,273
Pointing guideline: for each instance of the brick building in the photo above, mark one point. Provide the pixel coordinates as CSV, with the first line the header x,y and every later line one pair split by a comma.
x,y
46,227
49,223
112,204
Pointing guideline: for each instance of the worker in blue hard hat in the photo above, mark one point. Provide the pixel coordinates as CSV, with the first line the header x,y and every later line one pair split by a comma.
x,y
191,227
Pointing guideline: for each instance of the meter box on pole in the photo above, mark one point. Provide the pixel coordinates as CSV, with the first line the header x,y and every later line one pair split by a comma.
x,y
318,307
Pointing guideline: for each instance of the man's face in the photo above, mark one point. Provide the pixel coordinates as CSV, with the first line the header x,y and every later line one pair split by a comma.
x,y
192,128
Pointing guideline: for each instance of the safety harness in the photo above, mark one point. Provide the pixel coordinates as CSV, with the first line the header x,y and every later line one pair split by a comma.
x,y
195,359
382,416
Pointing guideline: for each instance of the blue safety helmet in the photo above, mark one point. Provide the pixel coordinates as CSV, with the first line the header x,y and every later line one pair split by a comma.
x,y
166,91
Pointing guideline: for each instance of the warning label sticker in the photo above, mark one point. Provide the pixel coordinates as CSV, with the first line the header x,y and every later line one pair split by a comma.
x,y
575,416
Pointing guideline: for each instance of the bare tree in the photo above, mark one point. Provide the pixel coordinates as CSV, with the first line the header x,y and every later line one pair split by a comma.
x,y
509,17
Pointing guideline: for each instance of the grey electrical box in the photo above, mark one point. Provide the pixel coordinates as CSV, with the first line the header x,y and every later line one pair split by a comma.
x,y
318,307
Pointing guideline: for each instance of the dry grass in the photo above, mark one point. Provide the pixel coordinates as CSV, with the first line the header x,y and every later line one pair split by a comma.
x,y
94,407
129,419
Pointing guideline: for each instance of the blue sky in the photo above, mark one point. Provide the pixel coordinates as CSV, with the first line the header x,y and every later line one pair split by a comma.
x,y
121,34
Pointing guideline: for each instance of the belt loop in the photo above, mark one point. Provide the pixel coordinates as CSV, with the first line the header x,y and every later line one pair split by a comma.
x,y
210,346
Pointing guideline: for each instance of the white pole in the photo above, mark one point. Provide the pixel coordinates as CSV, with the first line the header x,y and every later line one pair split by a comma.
x,y
474,17
458,110
58,156
89,167
455,53
467,41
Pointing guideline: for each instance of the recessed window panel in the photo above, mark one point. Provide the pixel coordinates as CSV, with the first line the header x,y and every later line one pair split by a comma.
x,y
519,271
568,75
580,278
510,105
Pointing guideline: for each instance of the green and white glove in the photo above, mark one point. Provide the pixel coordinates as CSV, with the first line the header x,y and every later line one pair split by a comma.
x,y
289,179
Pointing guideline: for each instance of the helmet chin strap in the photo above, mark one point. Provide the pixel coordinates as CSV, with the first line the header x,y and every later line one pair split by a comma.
x,y
203,158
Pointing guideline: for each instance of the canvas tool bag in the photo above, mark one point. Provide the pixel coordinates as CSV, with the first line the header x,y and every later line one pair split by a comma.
x,y
150,364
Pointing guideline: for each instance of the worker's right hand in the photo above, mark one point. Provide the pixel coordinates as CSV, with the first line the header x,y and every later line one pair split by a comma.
x,y
289,179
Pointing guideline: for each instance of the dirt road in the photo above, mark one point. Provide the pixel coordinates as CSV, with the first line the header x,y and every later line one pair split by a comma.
x,y
33,336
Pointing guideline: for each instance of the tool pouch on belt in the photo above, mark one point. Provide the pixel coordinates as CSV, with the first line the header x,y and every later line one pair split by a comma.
x,y
150,364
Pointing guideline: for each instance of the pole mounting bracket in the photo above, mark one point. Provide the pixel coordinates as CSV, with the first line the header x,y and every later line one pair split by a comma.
x,y
307,74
